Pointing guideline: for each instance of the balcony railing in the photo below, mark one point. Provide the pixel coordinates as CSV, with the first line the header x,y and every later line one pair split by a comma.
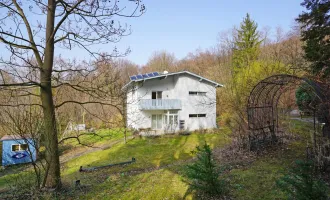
x,y
160,104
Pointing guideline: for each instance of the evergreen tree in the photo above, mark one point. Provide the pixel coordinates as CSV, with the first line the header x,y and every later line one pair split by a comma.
x,y
203,174
316,34
302,183
306,98
246,43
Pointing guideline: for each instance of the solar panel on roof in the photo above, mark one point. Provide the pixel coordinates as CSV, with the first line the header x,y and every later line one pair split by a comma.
x,y
139,76
156,73
145,76
151,75
133,78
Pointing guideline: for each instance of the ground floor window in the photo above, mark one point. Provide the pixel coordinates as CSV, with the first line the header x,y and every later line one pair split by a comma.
x,y
157,121
196,115
171,120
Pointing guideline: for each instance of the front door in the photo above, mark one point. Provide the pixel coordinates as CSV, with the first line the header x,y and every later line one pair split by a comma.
x,y
157,122
171,121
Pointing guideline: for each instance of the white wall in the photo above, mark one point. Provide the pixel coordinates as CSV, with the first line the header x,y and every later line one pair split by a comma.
x,y
175,87
196,104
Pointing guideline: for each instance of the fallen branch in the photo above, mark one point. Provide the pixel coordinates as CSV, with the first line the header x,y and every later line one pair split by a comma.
x,y
81,169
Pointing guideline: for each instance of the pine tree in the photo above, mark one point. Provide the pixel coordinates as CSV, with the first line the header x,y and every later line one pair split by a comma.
x,y
203,174
302,183
306,98
315,32
246,43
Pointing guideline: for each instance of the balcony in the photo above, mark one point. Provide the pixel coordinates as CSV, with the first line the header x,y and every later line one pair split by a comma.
x,y
160,104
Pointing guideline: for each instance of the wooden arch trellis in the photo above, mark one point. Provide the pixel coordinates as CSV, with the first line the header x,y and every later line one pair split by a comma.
x,y
262,107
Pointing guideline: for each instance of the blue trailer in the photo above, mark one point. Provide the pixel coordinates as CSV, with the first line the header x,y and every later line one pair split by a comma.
x,y
17,149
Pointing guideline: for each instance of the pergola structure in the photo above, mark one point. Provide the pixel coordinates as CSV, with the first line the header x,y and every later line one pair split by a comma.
x,y
262,108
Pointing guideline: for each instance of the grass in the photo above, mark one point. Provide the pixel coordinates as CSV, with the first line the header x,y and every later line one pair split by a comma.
x,y
258,181
100,137
159,184
158,162
70,148
149,152
157,173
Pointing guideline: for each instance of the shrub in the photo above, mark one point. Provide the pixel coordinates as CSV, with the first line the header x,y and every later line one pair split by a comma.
x,y
203,174
302,183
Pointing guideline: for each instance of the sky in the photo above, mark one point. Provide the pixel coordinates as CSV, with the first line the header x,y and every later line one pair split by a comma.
x,y
182,26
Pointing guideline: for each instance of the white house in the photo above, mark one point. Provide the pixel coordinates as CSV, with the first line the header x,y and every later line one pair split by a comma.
x,y
169,102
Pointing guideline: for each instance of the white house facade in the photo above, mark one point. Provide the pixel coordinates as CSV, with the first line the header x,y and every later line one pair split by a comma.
x,y
170,102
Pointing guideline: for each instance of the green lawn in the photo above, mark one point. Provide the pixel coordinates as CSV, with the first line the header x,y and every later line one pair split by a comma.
x,y
150,153
159,184
100,137
258,181
158,161
157,173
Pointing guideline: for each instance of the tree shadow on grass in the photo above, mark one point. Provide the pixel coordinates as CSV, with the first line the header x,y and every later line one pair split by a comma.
x,y
152,157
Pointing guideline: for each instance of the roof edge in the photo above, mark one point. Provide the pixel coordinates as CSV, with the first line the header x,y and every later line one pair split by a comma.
x,y
175,73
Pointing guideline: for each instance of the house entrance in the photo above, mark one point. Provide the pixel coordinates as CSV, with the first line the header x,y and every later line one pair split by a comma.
x,y
157,121
170,121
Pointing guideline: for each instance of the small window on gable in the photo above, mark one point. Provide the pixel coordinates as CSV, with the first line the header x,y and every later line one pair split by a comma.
x,y
15,147
192,115
195,93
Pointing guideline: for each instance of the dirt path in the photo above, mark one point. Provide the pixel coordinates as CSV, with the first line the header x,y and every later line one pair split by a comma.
x,y
309,120
86,150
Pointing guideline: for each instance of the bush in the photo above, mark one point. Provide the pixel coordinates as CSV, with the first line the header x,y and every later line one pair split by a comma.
x,y
302,183
203,174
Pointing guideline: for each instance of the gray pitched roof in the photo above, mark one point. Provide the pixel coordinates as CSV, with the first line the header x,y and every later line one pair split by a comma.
x,y
176,73
15,137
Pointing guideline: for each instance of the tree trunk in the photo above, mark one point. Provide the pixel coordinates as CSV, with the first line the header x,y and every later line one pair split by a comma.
x,y
52,176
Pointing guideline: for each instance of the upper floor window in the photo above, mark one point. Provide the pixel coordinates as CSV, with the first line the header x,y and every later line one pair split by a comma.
x,y
156,95
196,93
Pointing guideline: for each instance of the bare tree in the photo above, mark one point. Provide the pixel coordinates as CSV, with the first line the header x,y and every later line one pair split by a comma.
x,y
31,30
160,61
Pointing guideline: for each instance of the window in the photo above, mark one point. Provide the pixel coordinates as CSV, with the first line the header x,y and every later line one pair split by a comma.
x,y
15,147
156,95
19,147
197,115
157,98
23,147
195,93
171,121
156,121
